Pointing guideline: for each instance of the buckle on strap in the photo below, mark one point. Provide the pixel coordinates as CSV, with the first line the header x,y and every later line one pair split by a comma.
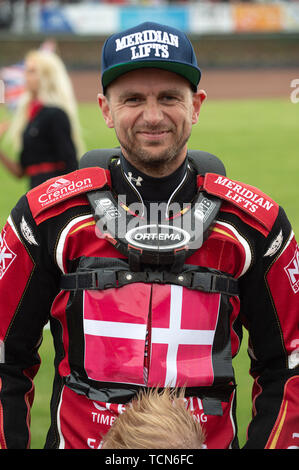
x,y
106,278
96,279
211,282
202,281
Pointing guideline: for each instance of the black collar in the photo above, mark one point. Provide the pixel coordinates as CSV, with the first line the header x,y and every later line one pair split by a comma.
x,y
180,186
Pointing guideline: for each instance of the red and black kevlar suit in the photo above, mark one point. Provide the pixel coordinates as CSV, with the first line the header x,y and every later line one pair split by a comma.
x,y
115,334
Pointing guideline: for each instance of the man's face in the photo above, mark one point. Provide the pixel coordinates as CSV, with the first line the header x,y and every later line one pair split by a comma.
x,y
152,112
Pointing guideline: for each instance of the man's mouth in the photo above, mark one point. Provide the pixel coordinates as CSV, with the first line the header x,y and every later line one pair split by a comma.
x,y
153,134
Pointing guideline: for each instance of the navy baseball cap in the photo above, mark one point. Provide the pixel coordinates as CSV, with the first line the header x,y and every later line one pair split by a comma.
x,y
149,45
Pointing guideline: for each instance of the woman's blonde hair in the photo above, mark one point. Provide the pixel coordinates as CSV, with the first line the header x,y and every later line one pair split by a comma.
x,y
55,89
155,420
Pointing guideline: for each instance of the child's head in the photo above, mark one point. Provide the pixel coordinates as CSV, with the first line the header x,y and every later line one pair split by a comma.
x,y
155,420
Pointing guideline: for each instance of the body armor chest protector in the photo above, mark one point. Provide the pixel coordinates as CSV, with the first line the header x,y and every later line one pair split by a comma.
x,y
150,319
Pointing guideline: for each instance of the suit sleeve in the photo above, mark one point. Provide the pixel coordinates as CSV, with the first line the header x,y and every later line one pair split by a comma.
x,y
27,289
270,308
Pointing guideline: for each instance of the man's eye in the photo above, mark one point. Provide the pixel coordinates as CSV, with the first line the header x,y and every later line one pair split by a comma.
x,y
169,98
132,100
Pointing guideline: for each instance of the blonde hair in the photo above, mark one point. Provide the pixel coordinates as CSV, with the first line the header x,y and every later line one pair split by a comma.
x,y
155,421
55,89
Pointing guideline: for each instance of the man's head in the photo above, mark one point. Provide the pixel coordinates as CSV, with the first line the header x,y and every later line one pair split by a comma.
x,y
149,78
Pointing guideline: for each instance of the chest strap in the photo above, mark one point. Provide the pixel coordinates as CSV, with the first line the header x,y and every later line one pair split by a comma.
x,y
105,278
123,393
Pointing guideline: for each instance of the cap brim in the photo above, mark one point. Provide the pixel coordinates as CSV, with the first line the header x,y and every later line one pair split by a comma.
x,y
190,73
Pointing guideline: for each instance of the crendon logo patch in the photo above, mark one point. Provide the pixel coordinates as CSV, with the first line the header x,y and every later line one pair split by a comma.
x,y
292,270
62,188
7,256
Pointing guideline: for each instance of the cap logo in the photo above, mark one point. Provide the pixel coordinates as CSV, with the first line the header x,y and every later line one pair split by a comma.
x,y
144,43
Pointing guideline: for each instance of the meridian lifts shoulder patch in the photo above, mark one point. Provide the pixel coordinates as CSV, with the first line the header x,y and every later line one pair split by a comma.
x,y
248,198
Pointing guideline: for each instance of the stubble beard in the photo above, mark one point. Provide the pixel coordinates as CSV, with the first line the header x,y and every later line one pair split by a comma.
x,y
152,163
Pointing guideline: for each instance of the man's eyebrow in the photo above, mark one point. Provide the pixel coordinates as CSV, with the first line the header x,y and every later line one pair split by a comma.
x,y
171,91
128,94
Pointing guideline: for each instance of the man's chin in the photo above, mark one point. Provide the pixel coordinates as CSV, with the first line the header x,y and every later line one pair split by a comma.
x,y
155,159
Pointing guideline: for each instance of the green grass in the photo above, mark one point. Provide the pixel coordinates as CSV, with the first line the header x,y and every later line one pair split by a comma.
x,y
258,142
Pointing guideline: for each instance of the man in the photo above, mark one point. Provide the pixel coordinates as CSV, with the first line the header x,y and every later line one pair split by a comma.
x,y
149,260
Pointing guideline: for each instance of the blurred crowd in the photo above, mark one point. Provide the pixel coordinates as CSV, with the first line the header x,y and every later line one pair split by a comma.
x,y
9,8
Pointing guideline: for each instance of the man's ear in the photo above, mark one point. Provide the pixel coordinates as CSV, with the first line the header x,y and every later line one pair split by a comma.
x,y
105,108
198,98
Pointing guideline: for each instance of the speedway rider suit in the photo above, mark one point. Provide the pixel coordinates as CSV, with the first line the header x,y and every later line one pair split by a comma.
x,y
118,328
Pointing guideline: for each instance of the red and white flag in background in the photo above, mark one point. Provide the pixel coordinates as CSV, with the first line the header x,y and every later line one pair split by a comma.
x,y
13,78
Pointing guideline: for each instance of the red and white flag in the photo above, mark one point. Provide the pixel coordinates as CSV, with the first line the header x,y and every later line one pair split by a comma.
x,y
14,84
181,325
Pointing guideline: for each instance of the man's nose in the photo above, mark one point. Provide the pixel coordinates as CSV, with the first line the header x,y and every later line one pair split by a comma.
x,y
152,112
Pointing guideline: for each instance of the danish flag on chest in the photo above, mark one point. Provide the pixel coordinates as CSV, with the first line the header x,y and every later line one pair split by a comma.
x,y
181,326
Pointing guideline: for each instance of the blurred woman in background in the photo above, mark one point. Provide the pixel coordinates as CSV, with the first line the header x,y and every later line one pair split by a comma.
x,y
45,128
